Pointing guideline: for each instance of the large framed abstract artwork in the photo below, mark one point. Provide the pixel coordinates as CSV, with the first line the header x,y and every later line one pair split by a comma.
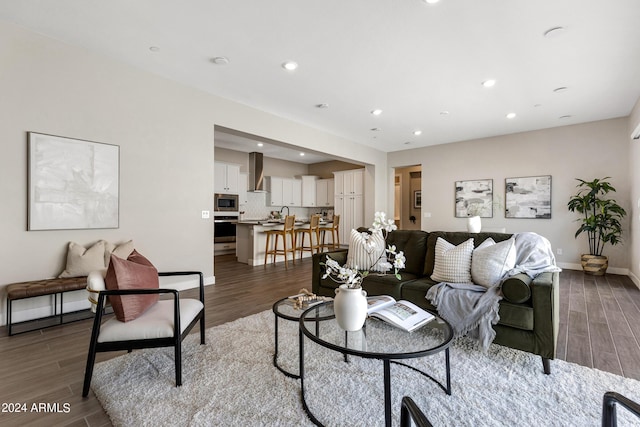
x,y
73,184
474,198
528,197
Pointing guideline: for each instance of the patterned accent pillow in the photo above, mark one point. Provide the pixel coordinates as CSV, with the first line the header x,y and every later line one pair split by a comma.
x,y
135,272
366,251
452,263
491,261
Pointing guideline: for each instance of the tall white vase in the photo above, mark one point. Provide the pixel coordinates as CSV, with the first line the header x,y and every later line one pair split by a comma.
x,y
474,224
350,307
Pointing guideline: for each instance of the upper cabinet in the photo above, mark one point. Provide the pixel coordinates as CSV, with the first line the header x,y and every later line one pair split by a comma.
x,y
226,178
349,183
309,191
324,192
284,191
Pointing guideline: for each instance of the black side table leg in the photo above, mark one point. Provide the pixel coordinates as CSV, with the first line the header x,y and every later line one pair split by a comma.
x,y
387,393
446,355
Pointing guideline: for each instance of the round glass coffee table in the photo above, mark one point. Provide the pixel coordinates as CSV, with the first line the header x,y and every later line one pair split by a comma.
x,y
284,309
377,340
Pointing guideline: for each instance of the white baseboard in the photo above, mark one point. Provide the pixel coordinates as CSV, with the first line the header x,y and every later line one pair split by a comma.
x,y
611,270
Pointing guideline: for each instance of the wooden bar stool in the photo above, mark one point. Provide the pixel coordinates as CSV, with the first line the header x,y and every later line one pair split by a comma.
x,y
313,230
334,229
288,230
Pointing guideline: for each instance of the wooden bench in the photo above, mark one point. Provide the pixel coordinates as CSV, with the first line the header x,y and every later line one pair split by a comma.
x,y
38,288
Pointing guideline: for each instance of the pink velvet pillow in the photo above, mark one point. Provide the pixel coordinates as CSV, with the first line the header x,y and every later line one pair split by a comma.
x,y
135,272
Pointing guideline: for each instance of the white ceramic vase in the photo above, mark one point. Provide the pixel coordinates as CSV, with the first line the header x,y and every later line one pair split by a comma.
x,y
350,307
474,224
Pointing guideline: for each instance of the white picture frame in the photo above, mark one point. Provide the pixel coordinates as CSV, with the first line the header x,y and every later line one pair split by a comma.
x,y
73,183
474,197
528,197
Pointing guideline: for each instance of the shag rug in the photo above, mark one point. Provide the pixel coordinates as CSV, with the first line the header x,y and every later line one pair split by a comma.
x,y
231,381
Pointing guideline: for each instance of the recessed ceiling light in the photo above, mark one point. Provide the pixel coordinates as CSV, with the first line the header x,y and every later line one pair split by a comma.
x,y
323,105
431,1
154,48
554,32
568,116
290,65
417,132
444,113
220,60
260,144
376,129
376,112
301,154
511,116
560,89
489,83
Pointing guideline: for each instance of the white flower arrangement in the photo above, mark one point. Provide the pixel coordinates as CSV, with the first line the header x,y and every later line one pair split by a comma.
x,y
352,277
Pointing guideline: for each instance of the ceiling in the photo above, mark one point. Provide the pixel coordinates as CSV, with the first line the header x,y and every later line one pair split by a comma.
x,y
240,141
421,64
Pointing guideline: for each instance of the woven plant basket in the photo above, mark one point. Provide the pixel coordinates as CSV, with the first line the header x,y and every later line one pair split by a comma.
x,y
595,265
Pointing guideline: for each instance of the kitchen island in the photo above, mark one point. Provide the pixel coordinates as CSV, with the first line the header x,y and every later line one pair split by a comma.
x,y
251,240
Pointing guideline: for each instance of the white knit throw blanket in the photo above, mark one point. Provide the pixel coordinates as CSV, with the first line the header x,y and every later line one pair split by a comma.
x,y
470,309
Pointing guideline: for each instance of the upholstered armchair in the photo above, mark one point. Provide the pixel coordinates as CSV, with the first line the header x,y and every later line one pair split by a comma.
x,y
141,319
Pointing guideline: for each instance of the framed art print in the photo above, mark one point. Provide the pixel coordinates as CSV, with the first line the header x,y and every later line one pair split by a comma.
x,y
73,184
417,199
474,198
528,197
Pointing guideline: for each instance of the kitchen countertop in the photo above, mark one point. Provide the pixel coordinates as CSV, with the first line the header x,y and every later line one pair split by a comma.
x,y
273,222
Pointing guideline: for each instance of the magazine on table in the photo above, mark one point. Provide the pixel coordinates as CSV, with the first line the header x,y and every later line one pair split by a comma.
x,y
401,314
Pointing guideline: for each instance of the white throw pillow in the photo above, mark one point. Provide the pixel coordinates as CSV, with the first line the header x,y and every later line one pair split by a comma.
x,y
452,263
123,250
366,251
82,261
491,261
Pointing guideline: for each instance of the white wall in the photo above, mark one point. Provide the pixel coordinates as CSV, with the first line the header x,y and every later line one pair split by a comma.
x,y
634,182
166,136
587,151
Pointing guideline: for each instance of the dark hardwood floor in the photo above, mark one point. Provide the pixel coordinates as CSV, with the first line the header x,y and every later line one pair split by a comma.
x,y
599,327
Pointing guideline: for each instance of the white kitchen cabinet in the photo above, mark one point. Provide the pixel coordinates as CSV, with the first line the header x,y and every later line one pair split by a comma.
x,y
226,178
349,183
325,189
351,211
309,197
349,201
284,191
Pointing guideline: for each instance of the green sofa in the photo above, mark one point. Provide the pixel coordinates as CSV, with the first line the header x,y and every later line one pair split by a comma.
x,y
529,310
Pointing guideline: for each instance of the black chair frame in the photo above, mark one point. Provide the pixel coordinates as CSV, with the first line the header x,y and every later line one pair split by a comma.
x,y
609,402
174,341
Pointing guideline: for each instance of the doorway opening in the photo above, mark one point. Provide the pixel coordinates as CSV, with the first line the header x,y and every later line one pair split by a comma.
x,y
408,197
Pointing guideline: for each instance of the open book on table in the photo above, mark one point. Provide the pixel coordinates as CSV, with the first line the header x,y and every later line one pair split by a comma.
x,y
401,314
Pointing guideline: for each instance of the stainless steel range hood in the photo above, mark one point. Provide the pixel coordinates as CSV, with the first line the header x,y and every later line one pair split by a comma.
x,y
256,173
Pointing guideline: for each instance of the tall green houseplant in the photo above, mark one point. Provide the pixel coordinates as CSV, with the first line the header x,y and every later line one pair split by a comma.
x,y
601,216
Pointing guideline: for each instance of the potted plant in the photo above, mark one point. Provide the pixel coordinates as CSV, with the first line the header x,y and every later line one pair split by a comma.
x,y
601,218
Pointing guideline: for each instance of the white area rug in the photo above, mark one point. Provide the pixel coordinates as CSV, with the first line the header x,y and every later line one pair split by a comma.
x,y
231,381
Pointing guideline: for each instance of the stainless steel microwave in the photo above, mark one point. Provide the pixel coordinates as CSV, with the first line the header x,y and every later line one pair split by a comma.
x,y
226,203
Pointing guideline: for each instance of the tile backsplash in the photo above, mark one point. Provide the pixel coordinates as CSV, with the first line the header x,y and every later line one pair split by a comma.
x,y
257,208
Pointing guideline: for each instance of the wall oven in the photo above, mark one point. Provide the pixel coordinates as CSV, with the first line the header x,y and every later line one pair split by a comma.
x,y
225,202
224,233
